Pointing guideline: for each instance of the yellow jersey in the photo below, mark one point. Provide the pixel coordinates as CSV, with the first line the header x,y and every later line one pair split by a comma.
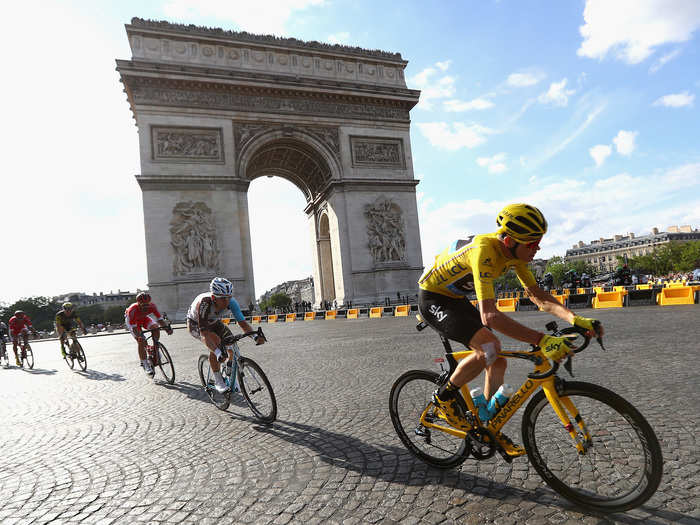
x,y
470,266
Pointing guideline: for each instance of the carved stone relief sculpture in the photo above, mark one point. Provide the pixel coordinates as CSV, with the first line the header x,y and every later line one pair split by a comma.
x,y
193,238
186,144
385,231
377,152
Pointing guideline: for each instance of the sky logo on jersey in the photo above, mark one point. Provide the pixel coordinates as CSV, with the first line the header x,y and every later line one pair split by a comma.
x,y
435,310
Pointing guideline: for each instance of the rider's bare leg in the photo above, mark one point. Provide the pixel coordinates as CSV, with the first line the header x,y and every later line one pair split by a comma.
x,y
484,344
212,341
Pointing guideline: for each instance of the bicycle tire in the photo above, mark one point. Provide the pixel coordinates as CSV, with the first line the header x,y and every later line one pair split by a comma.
x,y
68,358
257,390
28,356
165,363
221,401
607,416
80,355
4,357
410,394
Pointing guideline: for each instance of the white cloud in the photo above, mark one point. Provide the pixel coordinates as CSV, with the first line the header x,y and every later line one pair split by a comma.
x,y
665,59
495,164
676,100
462,105
433,89
600,153
632,29
557,94
339,38
456,136
570,217
524,79
269,17
624,142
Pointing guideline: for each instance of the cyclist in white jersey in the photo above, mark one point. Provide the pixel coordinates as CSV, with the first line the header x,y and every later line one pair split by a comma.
x,y
204,323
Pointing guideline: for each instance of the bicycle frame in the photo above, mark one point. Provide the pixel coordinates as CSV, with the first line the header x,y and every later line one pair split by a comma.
x,y
235,387
542,366
72,334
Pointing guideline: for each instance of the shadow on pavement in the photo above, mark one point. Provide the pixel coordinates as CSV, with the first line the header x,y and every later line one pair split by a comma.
x,y
37,371
397,465
96,375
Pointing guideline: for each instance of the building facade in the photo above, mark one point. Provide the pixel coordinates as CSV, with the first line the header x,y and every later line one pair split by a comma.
x,y
602,254
104,299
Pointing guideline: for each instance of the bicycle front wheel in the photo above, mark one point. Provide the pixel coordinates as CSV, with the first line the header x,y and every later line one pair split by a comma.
x,y
410,395
622,465
4,358
79,355
206,376
28,356
165,363
256,390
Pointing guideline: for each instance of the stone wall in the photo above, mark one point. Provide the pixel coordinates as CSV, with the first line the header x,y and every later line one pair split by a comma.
x,y
301,290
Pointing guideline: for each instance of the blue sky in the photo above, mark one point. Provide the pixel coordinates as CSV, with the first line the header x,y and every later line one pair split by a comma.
x,y
587,109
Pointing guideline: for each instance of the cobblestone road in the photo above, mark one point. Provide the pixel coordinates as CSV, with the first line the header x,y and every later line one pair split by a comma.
x,y
111,446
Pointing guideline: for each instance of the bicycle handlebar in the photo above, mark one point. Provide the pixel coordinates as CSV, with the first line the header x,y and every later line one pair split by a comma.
x,y
254,333
552,326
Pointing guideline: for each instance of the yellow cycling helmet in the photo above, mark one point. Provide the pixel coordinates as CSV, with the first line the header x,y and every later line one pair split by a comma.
x,y
522,222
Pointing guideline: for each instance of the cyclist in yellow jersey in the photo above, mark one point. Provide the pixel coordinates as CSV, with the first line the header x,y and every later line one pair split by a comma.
x,y
470,267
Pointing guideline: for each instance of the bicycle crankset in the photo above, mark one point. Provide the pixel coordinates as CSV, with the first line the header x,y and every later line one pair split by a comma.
x,y
483,444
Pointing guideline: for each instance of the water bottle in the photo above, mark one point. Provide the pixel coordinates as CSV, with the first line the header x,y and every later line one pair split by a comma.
x,y
499,399
480,403
227,373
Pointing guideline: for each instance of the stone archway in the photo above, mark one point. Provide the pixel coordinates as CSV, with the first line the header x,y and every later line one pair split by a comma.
x,y
216,109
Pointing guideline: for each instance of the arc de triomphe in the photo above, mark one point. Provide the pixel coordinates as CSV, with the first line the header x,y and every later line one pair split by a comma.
x,y
216,109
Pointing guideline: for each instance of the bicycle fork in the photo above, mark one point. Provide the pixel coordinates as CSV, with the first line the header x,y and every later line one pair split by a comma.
x,y
561,405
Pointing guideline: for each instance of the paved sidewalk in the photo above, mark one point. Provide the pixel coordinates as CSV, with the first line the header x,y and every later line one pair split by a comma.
x,y
111,446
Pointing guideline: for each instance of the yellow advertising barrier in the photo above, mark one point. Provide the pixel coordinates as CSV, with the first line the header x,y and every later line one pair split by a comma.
x,y
643,286
506,305
330,314
309,316
402,310
290,318
608,300
559,297
353,313
375,312
598,289
675,295
675,284
272,318
256,319
566,291
226,320
580,290
620,289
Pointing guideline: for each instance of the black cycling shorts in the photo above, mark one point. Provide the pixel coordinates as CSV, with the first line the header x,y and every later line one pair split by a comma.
x,y
219,328
456,319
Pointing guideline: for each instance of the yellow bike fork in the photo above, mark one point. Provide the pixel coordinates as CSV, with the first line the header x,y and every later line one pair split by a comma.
x,y
561,405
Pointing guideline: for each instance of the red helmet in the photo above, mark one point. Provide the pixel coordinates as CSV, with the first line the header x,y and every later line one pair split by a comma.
x,y
143,298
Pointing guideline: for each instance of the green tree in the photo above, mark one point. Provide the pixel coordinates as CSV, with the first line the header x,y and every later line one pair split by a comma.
x,y
41,310
277,300
558,268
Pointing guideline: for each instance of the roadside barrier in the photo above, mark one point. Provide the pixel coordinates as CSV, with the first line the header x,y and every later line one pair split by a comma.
x,y
272,318
675,284
375,312
598,289
560,298
309,316
330,314
580,291
256,319
676,295
401,311
353,313
579,300
608,300
643,286
506,305
290,318
566,291
525,304
642,297
620,289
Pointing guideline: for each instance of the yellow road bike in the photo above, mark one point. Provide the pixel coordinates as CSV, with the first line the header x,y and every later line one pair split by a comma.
x,y
586,442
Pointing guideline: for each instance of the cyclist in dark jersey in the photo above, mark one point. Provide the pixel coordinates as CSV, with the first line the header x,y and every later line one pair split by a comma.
x,y
66,321
204,323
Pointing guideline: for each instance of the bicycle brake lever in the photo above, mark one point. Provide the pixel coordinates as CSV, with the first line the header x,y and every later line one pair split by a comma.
x,y
569,367
600,342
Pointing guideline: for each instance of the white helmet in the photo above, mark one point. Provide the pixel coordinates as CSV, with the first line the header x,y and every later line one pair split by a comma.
x,y
221,287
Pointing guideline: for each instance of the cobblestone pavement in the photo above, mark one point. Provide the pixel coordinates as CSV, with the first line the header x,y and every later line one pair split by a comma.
x,y
111,446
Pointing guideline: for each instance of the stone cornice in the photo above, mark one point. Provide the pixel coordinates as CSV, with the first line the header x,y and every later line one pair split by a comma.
x,y
163,26
191,182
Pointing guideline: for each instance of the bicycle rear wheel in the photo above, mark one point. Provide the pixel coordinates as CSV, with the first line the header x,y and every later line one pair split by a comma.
x,y
77,351
256,390
4,358
28,356
221,401
623,464
409,397
165,363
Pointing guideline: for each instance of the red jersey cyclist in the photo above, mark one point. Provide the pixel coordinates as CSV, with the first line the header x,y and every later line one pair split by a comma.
x,y
204,323
144,315
470,266
20,326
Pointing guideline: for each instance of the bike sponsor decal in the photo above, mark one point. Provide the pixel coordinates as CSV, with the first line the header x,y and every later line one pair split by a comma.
x,y
485,275
437,312
513,404
487,262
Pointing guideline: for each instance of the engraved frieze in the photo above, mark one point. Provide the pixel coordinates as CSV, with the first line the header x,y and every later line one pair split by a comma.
x,y
193,238
385,231
186,144
244,132
377,152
